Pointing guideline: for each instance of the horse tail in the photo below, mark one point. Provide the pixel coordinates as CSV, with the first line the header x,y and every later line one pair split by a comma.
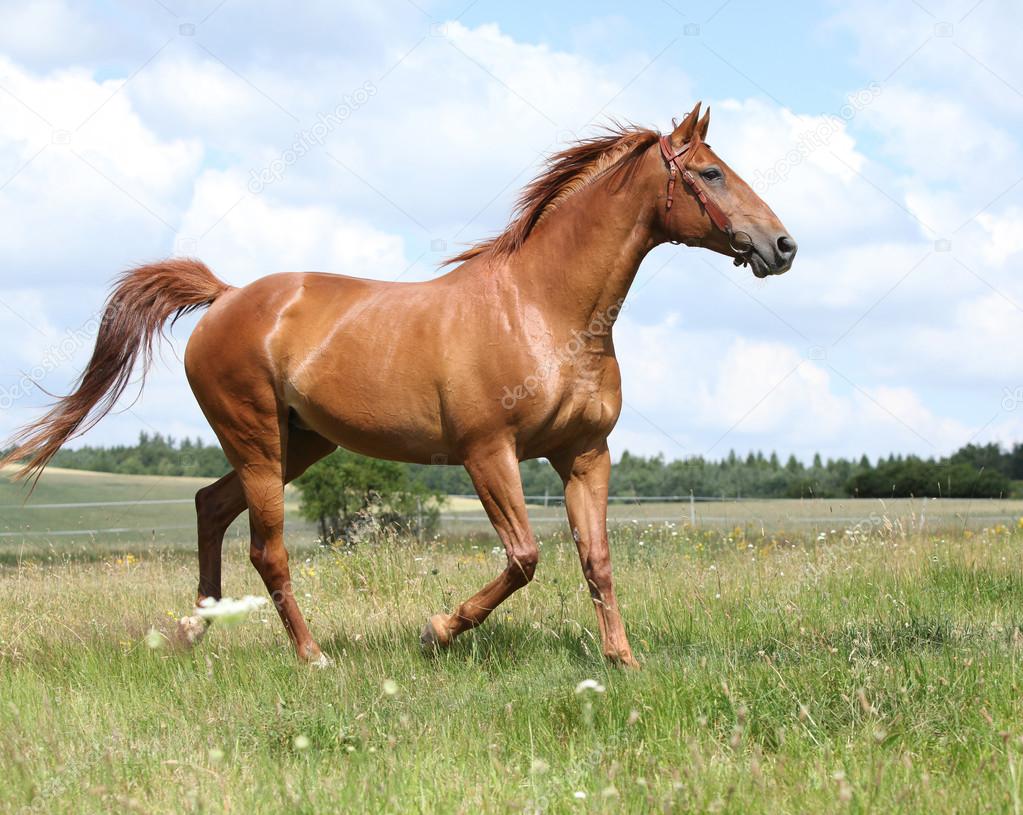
x,y
142,300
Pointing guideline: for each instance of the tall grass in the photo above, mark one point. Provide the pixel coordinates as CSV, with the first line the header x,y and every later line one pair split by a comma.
x,y
870,669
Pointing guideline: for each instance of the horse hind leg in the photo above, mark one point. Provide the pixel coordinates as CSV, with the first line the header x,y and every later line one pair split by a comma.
x,y
219,504
216,507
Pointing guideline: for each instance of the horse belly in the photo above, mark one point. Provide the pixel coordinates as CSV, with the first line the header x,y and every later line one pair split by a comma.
x,y
374,417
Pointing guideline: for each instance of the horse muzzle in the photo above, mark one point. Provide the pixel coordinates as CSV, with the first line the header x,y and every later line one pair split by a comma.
x,y
765,258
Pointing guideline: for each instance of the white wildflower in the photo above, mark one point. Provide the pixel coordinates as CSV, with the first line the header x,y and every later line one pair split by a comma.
x,y
589,685
227,610
390,687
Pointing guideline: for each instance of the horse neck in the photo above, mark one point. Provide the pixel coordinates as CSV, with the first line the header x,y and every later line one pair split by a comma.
x,y
580,263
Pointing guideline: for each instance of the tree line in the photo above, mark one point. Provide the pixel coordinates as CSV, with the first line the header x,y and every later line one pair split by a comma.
x,y
974,471
154,454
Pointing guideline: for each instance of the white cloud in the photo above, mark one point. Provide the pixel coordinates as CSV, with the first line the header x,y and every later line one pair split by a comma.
x,y
966,49
697,393
1005,234
245,236
81,198
978,340
897,413
187,91
807,167
44,30
938,138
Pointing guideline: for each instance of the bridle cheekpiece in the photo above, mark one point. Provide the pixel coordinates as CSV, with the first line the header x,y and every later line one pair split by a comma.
x,y
678,166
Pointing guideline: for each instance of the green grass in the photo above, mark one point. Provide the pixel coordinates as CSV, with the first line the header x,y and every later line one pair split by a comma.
x,y
869,671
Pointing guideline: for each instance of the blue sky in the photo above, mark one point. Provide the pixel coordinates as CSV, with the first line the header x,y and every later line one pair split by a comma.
x,y
884,134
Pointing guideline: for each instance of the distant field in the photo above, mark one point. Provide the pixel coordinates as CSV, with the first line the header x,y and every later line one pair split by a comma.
x,y
797,514
85,512
94,512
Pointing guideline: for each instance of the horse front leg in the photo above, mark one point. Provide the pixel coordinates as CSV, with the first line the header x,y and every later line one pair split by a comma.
x,y
586,475
495,475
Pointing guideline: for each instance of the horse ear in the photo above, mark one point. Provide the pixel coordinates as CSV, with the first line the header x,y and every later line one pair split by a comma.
x,y
683,132
704,123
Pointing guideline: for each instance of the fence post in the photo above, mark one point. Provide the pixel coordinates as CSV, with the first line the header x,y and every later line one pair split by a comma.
x,y
692,509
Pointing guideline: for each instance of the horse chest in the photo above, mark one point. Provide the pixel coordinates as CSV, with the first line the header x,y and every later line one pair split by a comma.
x,y
589,396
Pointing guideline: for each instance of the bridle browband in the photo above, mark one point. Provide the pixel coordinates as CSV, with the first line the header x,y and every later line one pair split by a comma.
x,y
678,165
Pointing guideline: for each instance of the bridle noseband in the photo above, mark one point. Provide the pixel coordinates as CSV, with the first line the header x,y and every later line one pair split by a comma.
x,y
678,162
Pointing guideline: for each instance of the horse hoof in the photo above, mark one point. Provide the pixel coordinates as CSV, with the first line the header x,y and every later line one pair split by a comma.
x,y
435,635
320,661
191,629
624,661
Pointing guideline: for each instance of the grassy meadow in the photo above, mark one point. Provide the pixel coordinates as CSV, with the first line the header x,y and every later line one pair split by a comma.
x,y
869,665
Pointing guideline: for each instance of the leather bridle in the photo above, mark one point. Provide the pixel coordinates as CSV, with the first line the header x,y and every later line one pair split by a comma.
x,y
678,165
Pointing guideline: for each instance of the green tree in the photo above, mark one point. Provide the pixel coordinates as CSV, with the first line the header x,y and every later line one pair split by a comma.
x,y
345,492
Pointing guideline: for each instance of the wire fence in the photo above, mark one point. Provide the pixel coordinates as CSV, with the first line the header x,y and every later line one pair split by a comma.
x,y
161,518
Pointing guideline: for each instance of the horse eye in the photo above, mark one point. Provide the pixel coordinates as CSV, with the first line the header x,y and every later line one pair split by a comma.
x,y
711,174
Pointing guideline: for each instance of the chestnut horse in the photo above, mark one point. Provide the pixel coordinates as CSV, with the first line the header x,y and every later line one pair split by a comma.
x,y
507,357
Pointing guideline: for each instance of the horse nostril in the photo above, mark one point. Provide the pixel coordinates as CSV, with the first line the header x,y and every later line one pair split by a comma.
x,y
786,246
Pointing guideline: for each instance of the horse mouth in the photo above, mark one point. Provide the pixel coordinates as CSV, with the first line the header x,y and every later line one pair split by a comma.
x,y
760,267
756,263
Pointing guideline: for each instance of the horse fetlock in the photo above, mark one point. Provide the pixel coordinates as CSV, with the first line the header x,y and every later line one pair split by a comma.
x,y
312,656
437,633
622,659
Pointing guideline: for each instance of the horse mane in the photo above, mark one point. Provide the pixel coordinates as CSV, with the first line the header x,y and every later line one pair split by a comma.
x,y
565,173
